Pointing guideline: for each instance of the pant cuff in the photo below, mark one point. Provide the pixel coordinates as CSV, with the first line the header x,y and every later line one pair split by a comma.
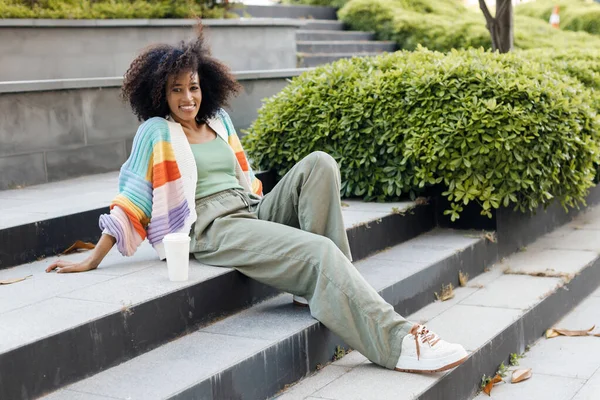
x,y
401,331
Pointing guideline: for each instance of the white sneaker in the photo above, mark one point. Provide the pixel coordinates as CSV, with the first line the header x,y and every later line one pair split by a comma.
x,y
424,351
300,301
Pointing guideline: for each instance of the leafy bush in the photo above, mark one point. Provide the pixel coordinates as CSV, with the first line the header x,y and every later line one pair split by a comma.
x,y
446,31
104,9
446,7
575,15
581,65
492,129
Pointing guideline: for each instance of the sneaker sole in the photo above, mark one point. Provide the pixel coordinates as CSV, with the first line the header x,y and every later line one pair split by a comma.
x,y
298,304
430,371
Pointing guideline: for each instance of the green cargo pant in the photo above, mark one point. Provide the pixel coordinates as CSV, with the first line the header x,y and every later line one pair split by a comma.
x,y
294,239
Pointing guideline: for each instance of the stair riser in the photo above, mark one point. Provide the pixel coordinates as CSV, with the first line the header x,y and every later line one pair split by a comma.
x,y
463,382
46,365
286,11
367,47
306,61
313,36
26,243
326,26
241,380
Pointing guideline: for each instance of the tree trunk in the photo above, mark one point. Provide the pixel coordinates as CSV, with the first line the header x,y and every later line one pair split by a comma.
x,y
502,26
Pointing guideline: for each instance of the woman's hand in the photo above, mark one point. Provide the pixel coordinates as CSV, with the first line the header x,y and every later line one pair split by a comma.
x,y
104,245
68,266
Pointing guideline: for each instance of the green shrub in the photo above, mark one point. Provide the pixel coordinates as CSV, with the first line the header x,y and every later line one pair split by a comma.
x,y
575,15
581,65
104,9
492,129
446,7
445,31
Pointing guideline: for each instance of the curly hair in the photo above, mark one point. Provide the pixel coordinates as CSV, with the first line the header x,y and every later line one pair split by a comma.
x,y
145,82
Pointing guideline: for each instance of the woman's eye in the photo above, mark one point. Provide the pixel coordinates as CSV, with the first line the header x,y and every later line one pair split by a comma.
x,y
195,88
176,90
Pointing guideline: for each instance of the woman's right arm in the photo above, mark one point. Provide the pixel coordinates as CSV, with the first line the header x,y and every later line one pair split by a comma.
x,y
130,211
104,245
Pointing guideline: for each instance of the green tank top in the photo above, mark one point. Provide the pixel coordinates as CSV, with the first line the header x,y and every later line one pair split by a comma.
x,y
216,167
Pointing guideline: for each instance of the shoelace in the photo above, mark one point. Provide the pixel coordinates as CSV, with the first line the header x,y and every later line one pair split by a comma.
x,y
421,333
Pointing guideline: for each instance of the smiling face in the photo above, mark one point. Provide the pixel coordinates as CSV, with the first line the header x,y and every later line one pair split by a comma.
x,y
184,96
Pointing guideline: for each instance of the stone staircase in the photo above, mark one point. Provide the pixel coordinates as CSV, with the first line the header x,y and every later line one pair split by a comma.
x,y
322,42
124,331
324,39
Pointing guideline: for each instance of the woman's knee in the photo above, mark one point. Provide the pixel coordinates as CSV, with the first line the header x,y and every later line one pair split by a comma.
x,y
325,251
323,161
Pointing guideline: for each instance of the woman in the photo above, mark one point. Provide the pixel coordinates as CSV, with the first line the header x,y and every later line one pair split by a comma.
x,y
187,172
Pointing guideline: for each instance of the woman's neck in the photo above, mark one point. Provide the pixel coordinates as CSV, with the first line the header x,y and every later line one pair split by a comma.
x,y
191,126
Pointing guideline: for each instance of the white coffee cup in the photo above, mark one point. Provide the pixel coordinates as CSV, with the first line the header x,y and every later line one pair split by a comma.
x,y
177,250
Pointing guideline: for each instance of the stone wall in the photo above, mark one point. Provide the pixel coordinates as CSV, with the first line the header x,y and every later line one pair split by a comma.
x,y
61,129
65,49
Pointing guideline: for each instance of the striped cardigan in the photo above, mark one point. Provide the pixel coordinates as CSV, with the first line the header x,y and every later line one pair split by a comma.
x,y
157,184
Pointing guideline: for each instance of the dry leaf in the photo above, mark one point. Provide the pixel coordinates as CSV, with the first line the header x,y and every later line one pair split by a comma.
x,y
421,201
447,292
490,236
14,280
463,278
488,388
79,245
345,204
554,332
520,375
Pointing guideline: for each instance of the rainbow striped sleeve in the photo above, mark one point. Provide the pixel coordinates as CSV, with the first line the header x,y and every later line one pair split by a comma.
x,y
150,187
240,154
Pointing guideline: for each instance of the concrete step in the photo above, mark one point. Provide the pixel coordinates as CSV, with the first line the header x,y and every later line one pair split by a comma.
x,y
340,46
322,35
307,60
57,329
287,11
254,354
576,376
326,25
500,312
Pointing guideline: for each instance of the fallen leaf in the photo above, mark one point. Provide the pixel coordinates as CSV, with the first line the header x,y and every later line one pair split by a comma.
x,y
14,280
447,292
463,278
520,375
345,204
79,245
421,201
488,388
554,332
490,236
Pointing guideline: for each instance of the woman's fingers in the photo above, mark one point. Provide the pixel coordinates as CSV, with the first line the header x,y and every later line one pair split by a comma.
x,y
58,265
71,268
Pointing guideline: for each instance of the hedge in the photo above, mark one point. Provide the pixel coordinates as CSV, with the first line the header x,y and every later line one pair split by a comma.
x,y
443,7
444,32
575,15
492,129
105,9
